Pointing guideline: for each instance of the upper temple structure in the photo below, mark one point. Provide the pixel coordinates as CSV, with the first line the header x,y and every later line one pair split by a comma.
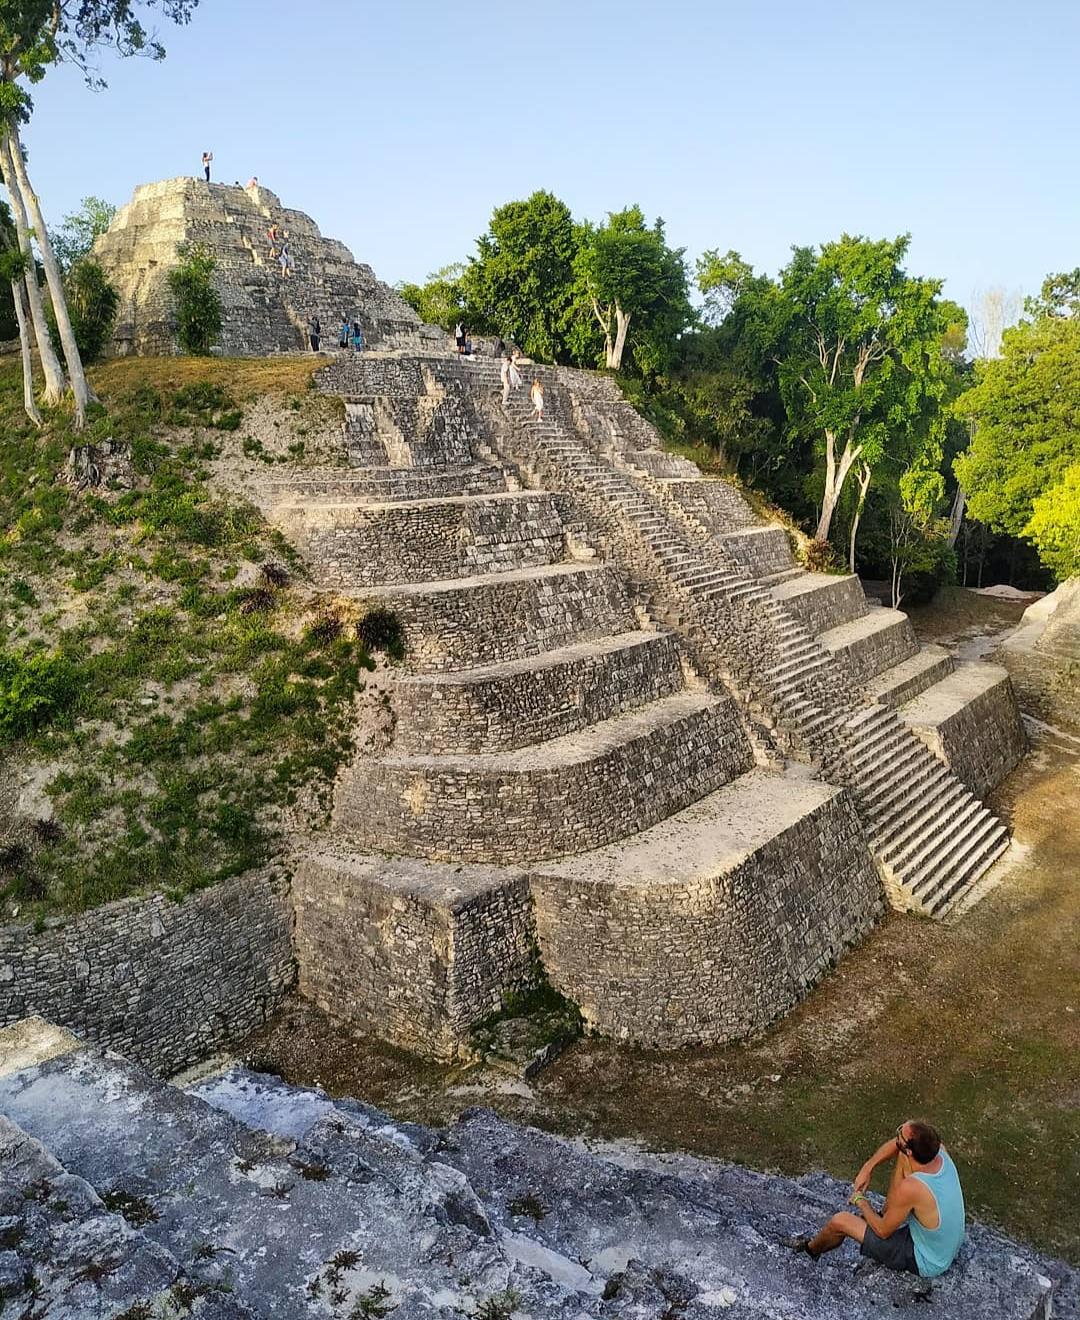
x,y
634,746
263,312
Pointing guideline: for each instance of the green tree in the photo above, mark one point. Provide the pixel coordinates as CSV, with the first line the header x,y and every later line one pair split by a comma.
x,y
1025,409
1054,525
521,284
35,35
441,301
92,302
859,358
74,240
196,303
628,276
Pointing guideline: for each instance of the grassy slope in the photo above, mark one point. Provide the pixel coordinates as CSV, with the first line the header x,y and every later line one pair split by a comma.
x,y
169,702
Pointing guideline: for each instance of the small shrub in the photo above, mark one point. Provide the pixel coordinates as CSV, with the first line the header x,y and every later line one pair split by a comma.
x,y
137,1210
92,302
257,600
527,1206
48,830
499,1306
821,557
33,690
13,857
380,630
23,592
275,574
196,303
373,1304
326,629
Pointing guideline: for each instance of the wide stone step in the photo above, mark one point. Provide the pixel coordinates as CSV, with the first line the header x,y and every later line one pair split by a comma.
x,y
385,483
55,1230
902,682
821,600
360,544
496,708
760,551
970,720
489,618
770,870
434,1215
572,793
866,646
716,504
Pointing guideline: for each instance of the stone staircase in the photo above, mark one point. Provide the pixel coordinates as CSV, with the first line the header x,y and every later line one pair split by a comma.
x,y
931,837
542,716
246,1197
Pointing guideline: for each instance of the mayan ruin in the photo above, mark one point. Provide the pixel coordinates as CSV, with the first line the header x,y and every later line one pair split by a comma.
x,y
547,791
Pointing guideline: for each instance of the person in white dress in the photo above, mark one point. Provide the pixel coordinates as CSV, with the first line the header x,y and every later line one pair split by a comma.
x,y
537,396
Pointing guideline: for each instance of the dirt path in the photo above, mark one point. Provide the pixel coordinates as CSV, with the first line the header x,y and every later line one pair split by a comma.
x,y
974,1025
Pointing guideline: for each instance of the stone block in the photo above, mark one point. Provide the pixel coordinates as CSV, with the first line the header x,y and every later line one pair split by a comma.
x,y
571,793
521,702
715,921
412,952
971,722
821,601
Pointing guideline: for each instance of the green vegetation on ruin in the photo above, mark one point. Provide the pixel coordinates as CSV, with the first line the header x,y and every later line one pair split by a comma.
x,y
167,677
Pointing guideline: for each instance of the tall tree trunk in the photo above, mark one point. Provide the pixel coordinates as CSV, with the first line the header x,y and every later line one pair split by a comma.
x,y
29,402
864,486
835,476
79,386
622,324
956,517
55,382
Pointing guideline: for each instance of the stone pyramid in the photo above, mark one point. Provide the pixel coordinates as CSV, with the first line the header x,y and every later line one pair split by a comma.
x,y
264,312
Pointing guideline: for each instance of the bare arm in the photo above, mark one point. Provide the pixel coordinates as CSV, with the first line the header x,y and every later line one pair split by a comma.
x,y
885,1152
900,1203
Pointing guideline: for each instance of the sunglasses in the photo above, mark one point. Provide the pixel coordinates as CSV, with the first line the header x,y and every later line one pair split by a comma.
x,y
900,1141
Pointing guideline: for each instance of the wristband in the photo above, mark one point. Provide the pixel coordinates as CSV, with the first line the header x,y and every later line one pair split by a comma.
x,y
859,1196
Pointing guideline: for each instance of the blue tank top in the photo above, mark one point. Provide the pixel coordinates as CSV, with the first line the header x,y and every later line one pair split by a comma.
x,y
936,1248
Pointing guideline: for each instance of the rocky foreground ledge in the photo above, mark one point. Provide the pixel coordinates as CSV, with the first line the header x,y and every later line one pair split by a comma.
x,y
123,1196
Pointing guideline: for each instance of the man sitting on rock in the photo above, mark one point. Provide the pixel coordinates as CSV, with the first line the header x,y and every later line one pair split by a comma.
x,y
922,1225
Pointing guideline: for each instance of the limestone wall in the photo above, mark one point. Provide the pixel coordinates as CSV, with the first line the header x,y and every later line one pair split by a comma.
x,y
821,601
263,311
760,551
971,721
455,538
165,983
717,505
671,959
506,618
565,796
528,702
412,955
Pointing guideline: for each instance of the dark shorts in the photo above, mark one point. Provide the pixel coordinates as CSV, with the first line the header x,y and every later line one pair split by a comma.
x,y
895,1253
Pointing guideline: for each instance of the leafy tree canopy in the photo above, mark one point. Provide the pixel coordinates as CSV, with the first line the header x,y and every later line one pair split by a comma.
x,y
36,34
1025,407
634,286
1054,526
521,283
441,301
74,239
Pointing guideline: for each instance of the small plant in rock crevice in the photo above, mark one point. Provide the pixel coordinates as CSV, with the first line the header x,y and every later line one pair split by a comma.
x,y
527,1206
137,1210
499,1306
373,1304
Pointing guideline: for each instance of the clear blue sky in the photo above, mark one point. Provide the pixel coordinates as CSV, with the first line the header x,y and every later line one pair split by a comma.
x,y
399,126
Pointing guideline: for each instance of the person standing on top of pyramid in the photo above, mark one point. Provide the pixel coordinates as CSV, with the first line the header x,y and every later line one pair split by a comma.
x,y
207,157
